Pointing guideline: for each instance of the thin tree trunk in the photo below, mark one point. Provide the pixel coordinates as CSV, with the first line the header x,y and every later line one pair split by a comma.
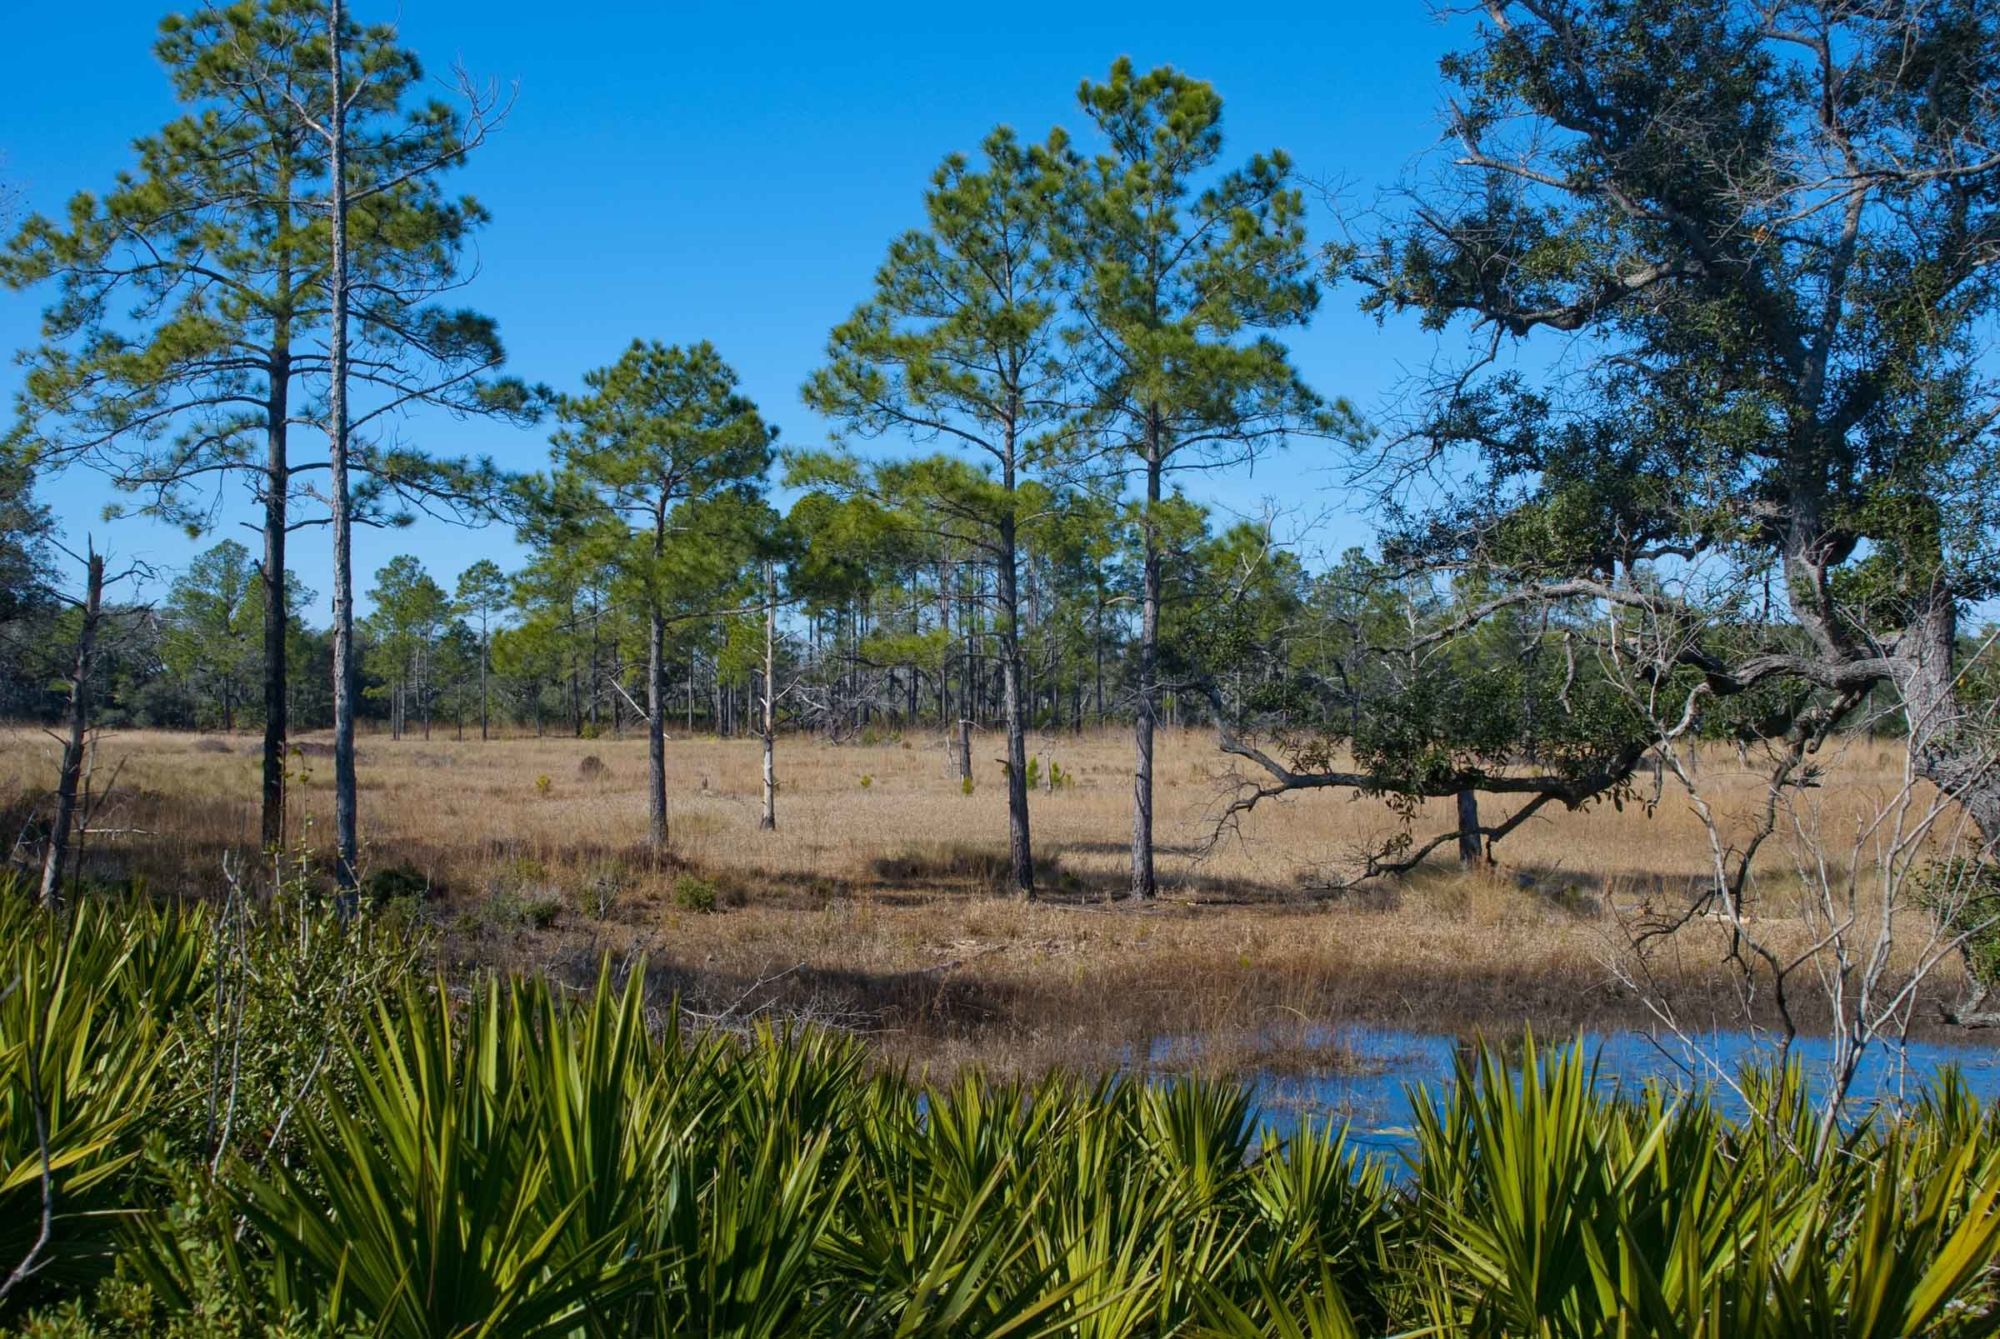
x,y
277,490
346,670
1020,852
656,700
769,820
1098,649
485,654
1144,884
656,732
69,779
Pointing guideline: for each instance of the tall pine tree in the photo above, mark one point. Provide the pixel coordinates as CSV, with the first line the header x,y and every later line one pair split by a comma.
x,y
961,343
187,339
664,445
1176,268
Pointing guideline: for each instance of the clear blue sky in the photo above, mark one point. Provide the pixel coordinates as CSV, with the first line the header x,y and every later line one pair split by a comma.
x,y
733,172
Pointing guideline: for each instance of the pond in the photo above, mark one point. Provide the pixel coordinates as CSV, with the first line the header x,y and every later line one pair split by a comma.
x,y
1371,1085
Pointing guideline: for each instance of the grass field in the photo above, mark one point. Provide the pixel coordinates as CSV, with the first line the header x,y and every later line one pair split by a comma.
x,y
877,903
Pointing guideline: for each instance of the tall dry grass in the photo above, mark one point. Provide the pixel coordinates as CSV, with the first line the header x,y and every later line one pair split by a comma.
x,y
877,901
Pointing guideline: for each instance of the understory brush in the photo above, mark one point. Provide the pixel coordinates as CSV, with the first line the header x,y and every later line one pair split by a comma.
x,y
254,1118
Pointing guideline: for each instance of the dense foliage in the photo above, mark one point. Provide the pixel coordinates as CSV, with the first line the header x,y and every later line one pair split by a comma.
x,y
260,1122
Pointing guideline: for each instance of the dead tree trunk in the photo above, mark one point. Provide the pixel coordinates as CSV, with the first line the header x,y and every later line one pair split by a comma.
x,y
768,821
68,781
346,669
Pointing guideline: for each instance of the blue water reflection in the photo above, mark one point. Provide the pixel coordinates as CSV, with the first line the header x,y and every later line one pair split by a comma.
x,y
1372,1086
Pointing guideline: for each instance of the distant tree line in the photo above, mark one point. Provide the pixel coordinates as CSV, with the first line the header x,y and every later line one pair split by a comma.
x,y
1755,505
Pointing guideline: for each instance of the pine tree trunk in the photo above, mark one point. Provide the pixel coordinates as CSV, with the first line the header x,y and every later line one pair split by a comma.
x,y
1098,649
656,694
1020,852
346,672
769,820
69,780
277,490
1144,883
656,732
485,654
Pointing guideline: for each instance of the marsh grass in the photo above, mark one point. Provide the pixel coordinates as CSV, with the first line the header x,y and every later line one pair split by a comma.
x,y
884,907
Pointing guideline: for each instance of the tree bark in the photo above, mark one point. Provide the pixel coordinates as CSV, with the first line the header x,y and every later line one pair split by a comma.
x,y
70,778
769,819
485,654
346,819
1144,883
1020,852
656,732
277,496
656,700
1471,847
1955,756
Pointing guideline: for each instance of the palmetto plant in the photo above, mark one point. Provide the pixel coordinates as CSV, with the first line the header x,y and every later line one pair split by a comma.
x,y
516,1159
84,1002
431,1208
1545,1207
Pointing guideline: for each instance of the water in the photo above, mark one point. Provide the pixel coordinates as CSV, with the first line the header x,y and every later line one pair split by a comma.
x,y
1373,1093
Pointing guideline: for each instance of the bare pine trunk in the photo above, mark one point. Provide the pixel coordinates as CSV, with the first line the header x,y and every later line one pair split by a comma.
x,y
277,489
1144,883
346,677
70,778
656,732
1020,852
769,820
485,654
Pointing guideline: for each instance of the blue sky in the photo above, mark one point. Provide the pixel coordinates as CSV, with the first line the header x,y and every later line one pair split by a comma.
x,y
733,172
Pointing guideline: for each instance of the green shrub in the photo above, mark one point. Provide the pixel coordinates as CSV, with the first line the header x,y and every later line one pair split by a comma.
x,y
516,909
1054,778
694,894
557,1164
395,881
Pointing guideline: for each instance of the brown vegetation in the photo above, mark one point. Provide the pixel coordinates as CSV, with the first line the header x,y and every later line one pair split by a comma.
x,y
877,903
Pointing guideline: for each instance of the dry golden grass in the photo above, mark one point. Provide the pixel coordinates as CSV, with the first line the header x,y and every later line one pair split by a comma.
x,y
877,902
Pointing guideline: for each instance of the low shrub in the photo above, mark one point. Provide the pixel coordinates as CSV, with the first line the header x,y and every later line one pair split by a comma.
x,y
388,883
692,893
602,886
553,1163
